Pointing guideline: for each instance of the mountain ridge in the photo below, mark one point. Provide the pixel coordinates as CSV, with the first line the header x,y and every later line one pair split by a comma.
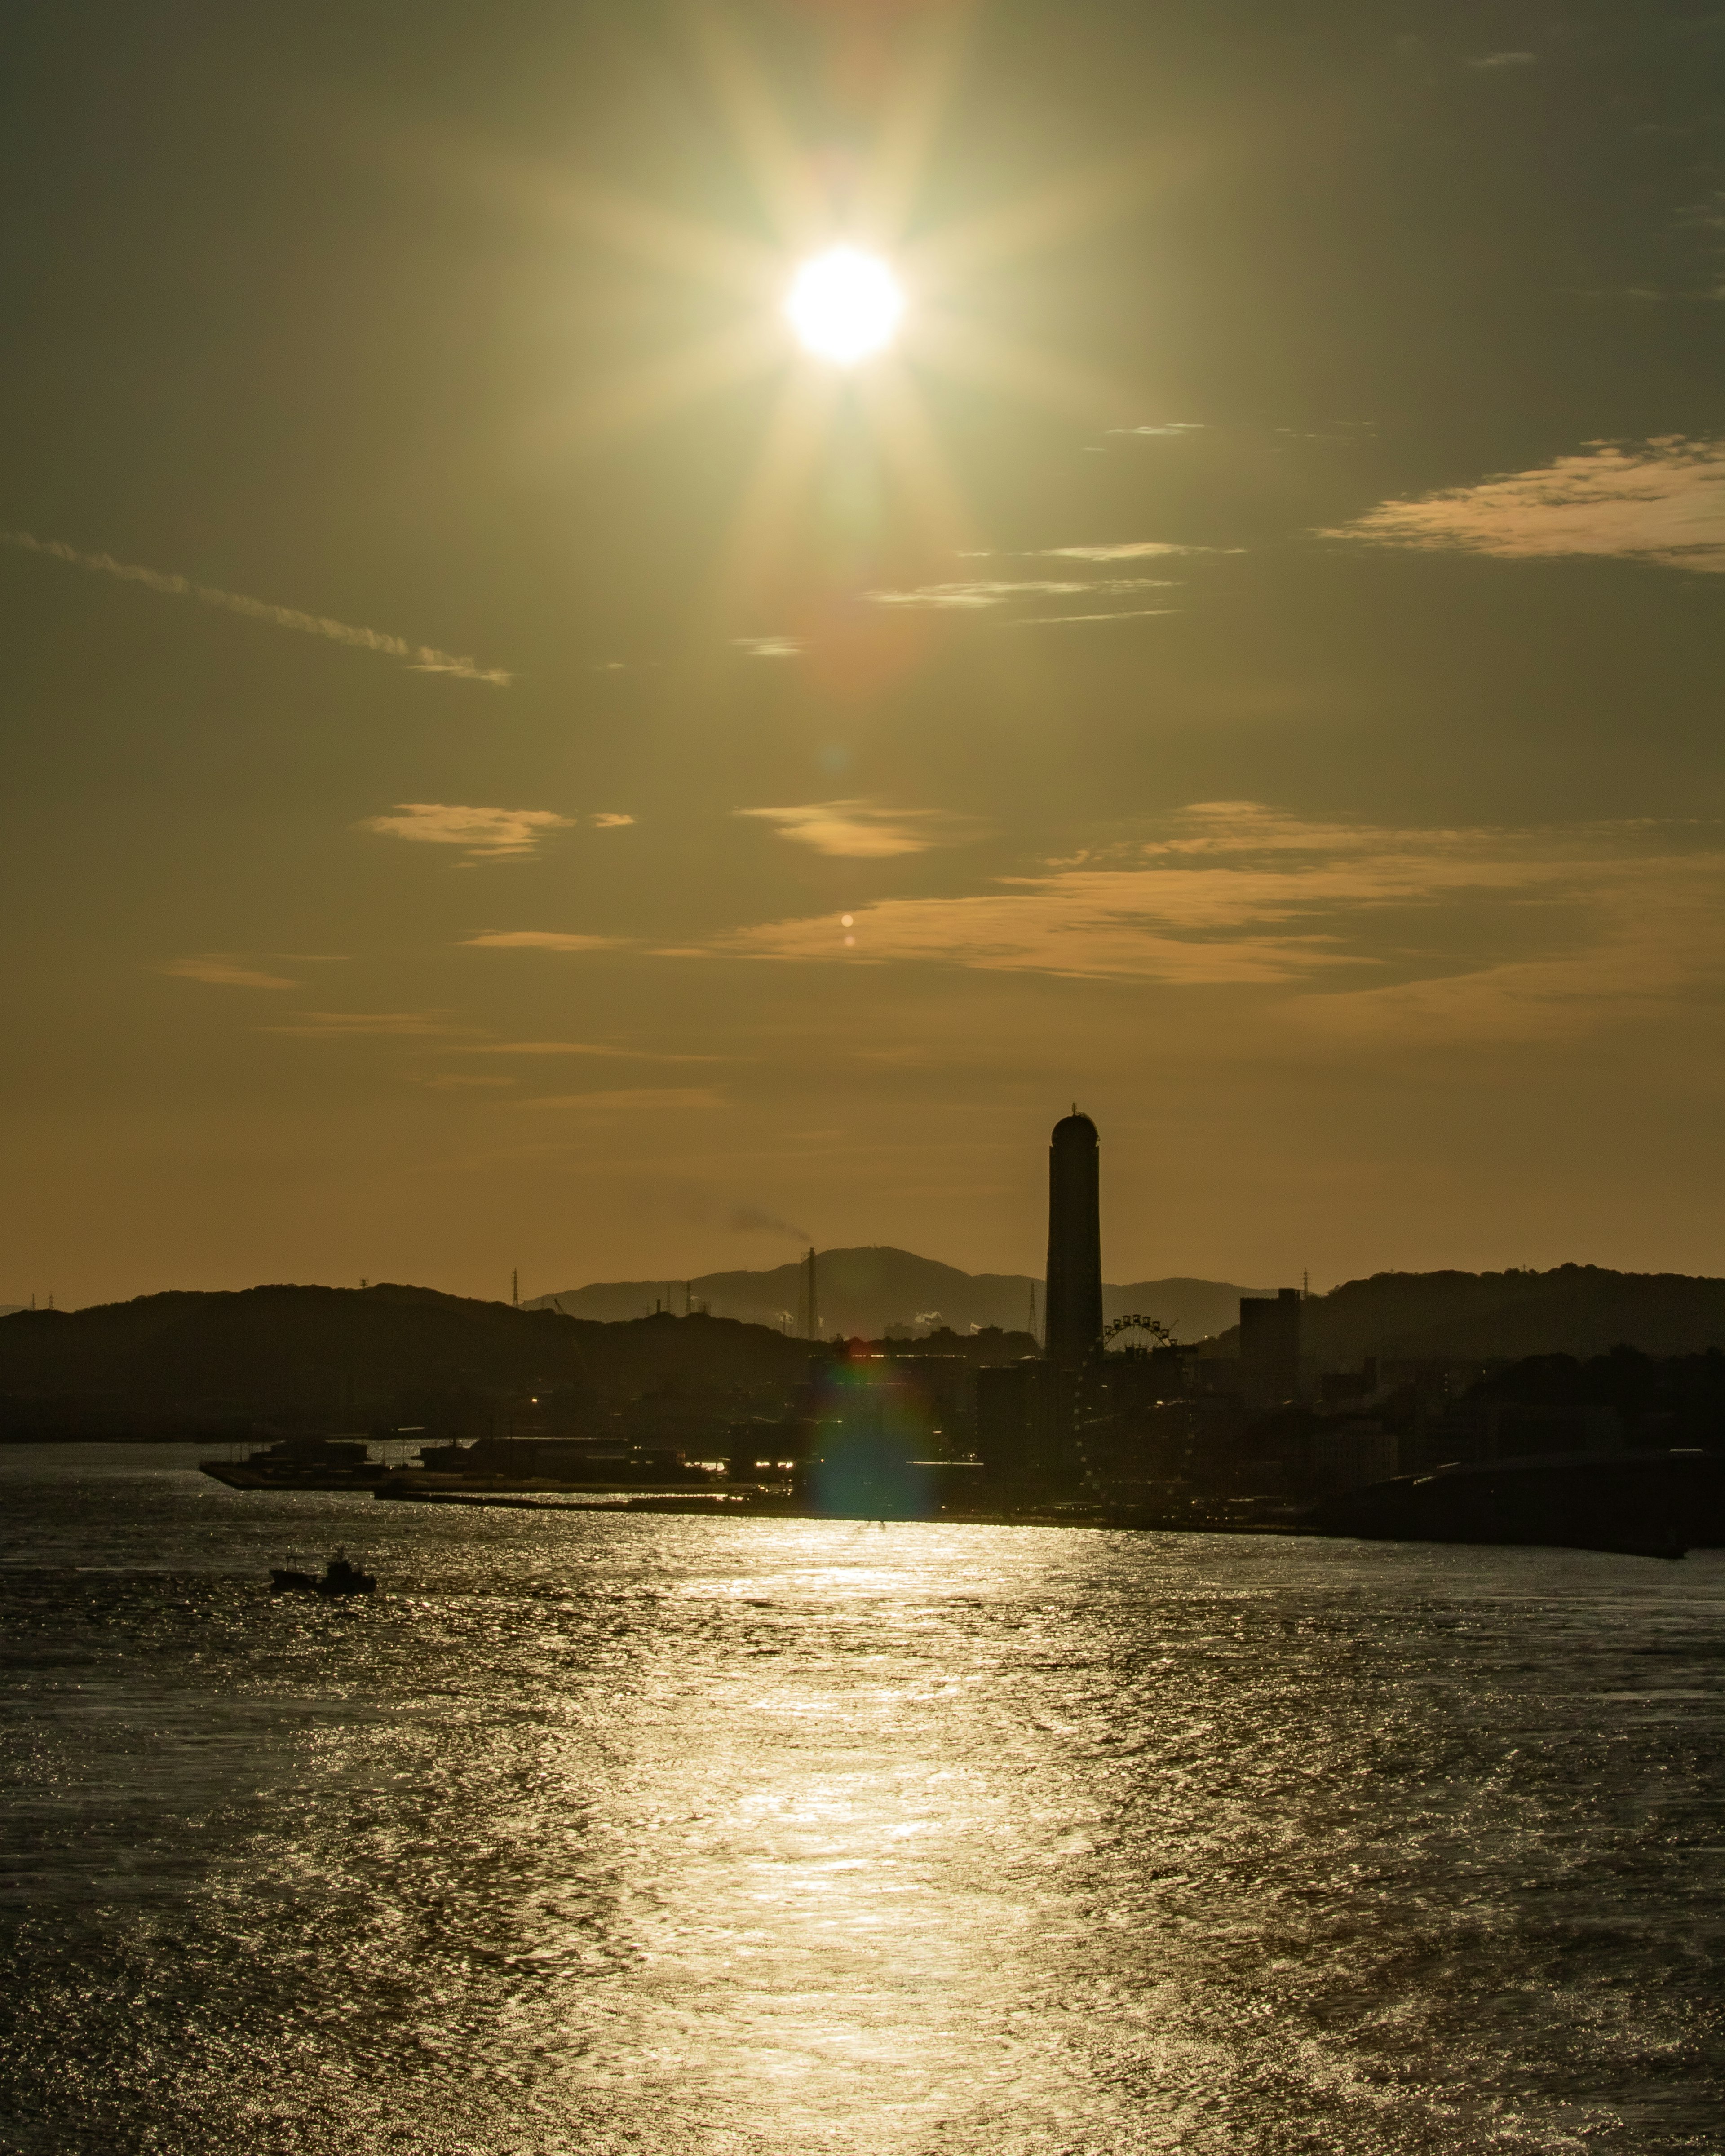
x,y
864,1288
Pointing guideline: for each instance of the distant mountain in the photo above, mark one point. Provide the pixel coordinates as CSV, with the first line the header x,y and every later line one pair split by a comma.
x,y
863,1291
1572,1310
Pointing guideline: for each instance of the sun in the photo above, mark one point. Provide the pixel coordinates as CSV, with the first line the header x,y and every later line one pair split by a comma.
x,y
844,305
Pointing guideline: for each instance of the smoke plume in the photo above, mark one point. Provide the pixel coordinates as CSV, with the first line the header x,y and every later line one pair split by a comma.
x,y
752,1220
421,658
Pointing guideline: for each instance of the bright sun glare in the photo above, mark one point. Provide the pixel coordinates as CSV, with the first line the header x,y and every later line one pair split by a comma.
x,y
845,305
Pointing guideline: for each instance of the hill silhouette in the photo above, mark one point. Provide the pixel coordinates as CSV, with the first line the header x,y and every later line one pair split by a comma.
x,y
1571,1310
288,1351
384,1355
864,1290
268,1350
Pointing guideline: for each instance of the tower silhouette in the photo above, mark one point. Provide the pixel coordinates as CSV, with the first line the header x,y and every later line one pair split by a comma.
x,y
1072,1314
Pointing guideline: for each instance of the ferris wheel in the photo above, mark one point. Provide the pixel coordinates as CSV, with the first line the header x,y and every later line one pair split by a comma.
x,y
1152,1333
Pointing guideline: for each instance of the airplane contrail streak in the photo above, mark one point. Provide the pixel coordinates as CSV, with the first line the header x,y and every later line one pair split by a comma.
x,y
421,658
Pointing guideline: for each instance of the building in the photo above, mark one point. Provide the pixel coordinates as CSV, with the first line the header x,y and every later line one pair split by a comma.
x,y
1073,1310
1347,1453
1026,1426
762,1450
1270,1347
1017,1438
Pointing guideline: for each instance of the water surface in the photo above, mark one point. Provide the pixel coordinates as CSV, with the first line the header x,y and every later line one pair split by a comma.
x,y
659,1834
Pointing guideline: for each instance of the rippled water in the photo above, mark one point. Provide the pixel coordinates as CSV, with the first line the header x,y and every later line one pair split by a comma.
x,y
653,1834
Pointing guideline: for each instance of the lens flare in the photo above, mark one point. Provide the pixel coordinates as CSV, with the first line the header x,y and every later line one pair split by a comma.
x,y
845,305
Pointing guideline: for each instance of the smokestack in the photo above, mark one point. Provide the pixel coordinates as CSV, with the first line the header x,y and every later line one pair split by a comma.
x,y
811,1330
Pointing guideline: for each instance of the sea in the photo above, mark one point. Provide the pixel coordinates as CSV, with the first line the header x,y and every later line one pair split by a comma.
x,y
594,1833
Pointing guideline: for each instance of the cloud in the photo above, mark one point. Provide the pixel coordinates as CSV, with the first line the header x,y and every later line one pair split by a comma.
x,y
486,833
420,658
1392,933
1164,426
539,939
970,597
1120,614
579,1048
221,970
1125,550
341,1025
1505,61
768,647
978,593
651,1097
609,819
1659,501
861,830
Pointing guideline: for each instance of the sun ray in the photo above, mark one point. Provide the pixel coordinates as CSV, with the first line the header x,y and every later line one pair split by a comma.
x,y
779,166
625,223
644,233
752,565
901,424
740,352
950,344
907,135
1080,203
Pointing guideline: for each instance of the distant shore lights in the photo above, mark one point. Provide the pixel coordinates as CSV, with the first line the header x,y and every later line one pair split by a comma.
x,y
844,305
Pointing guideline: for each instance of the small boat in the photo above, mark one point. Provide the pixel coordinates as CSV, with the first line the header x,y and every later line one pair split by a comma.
x,y
339,1578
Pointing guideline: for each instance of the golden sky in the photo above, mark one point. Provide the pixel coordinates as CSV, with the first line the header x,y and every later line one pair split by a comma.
x,y
515,761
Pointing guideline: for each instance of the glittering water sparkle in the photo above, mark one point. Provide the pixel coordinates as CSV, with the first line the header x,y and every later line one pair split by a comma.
x,y
653,1834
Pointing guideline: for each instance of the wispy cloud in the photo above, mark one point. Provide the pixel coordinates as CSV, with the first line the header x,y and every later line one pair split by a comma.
x,y
485,833
1660,501
977,594
1124,550
220,969
420,658
539,939
1119,613
864,830
610,819
580,1048
348,1025
1492,60
1471,933
654,1098
1163,427
768,647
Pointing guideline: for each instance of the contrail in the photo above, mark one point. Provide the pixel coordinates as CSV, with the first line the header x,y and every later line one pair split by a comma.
x,y
422,658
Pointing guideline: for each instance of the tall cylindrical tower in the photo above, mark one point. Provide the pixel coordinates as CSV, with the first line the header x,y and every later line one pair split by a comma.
x,y
1073,1305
